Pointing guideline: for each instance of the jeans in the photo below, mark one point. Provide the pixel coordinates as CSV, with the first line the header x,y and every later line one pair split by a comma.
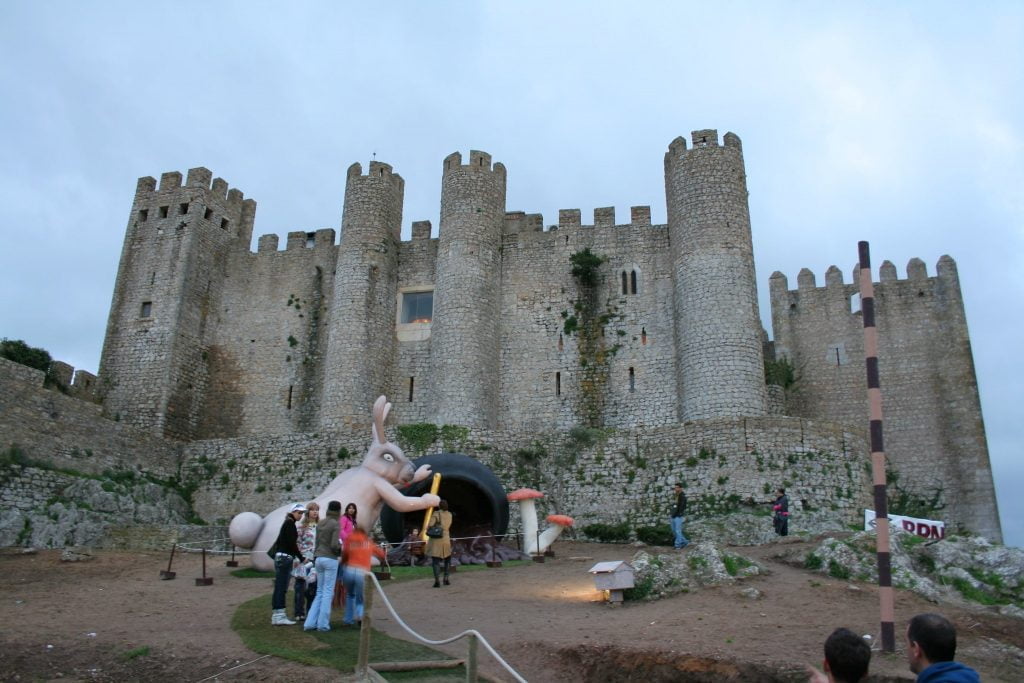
x,y
353,579
677,531
319,615
282,573
300,596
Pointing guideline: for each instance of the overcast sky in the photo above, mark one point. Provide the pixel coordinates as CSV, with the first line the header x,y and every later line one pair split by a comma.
x,y
899,125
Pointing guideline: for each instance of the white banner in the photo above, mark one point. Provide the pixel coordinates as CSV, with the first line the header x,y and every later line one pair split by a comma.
x,y
925,528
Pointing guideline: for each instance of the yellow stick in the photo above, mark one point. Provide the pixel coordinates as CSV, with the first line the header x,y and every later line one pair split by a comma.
x,y
434,486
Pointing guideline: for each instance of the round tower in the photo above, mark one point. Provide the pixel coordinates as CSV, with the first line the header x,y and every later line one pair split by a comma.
x,y
719,359
360,346
464,343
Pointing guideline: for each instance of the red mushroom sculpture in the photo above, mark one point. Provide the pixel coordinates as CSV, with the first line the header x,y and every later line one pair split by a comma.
x,y
528,514
549,535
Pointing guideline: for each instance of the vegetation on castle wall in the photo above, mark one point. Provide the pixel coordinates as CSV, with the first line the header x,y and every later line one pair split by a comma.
x,y
588,324
902,501
417,437
18,351
779,372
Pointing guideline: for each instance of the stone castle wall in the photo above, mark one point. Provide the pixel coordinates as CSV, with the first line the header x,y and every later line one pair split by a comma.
x,y
726,464
934,435
262,358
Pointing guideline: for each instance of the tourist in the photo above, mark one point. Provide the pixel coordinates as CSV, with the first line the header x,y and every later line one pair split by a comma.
x,y
676,518
347,522
931,647
780,516
358,552
440,549
304,570
414,544
286,551
847,657
345,527
328,549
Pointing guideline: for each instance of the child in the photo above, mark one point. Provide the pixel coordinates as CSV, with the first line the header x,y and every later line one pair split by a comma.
x,y
359,550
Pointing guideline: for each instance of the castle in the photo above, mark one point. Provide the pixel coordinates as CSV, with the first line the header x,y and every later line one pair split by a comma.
x,y
509,331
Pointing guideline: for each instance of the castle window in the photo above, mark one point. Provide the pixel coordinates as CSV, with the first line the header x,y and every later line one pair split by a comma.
x,y
643,336
411,381
632,282
182,208
417,307
624,290
224,223
855,303
310,240
208,214
143,215
290,387
561,343
163,211
146,310
558,384
632,381
836,354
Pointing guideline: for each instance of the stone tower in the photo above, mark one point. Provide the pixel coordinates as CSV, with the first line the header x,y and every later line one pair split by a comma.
x,y
154,362
359,352
719,362
465,342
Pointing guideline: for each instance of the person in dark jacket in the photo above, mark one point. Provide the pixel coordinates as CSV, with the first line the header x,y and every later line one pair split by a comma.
x,y
328,550
287,552
676,517
780,515
931,647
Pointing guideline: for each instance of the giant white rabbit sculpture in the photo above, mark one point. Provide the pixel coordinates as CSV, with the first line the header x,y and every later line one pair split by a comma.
x,y
369,486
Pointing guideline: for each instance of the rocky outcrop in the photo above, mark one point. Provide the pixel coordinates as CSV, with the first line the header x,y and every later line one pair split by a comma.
x,y
959,569
659,576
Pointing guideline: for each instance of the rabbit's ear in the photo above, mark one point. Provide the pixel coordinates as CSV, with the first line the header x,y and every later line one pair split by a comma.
x,y
381,407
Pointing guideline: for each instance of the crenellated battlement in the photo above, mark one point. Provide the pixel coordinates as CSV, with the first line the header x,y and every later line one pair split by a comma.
x,y
701,139
572,220
202,199
478,161
916,270
421,230
316,240
377,170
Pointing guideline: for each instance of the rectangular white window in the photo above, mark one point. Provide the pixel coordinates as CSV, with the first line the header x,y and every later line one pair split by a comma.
x,y
417,307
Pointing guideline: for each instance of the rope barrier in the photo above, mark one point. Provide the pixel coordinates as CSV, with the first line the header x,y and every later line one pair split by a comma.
x,y
197,546
471,632
239,666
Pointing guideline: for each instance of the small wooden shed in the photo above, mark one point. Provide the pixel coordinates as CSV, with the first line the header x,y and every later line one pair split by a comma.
x,y
613,577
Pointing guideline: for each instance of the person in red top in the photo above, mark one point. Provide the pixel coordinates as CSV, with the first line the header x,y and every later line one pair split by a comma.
x,y
358,553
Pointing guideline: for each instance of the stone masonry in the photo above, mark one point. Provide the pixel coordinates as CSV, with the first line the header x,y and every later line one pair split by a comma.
x,y
253,373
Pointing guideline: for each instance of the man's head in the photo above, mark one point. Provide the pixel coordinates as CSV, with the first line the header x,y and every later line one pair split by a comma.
x,y
297,511
846,656
334,506
677,487
931,638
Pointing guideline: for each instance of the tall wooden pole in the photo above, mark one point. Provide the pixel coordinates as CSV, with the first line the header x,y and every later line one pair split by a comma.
x,y
885,595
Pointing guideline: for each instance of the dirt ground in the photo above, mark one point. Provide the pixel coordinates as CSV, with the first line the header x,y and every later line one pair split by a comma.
x,y
76,621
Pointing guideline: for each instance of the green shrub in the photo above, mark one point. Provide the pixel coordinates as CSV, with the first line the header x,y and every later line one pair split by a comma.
x,y
837,571
974,593
608,533
734,563
641,589
655,535
812,562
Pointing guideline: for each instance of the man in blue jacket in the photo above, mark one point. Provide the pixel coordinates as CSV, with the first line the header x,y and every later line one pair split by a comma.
x,y
931,646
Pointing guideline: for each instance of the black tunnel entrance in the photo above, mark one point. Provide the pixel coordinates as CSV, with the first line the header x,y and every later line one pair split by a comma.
x,y
475,497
